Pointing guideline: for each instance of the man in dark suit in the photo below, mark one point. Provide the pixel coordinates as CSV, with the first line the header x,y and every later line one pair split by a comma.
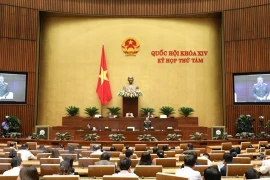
x,y
227,159
260,90
105,160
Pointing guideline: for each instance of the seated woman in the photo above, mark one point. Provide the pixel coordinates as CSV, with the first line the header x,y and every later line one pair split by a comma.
x,y
56,154
160,154
147,124
65,168
145,159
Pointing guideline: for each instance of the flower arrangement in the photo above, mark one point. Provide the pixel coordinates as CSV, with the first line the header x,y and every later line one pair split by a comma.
x,y
173,137
90,137
146,137
223,136
244,135
130,92
117,137
197,136
62,137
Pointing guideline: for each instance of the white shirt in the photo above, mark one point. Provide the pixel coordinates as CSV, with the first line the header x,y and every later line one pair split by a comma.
x,y
97,152
265,168
188,173
208,161
26,155
125,173
14,171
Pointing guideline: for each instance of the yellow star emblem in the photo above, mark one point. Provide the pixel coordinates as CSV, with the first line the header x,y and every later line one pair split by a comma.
x,y
103,75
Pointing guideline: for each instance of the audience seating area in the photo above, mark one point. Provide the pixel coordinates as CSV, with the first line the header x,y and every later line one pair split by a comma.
x,y
164,169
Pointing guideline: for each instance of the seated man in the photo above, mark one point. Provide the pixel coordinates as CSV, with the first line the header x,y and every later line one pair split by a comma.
x,y
252,174
187,170
25,153
212,173
147,124
125,165
16,164
105,160
97,149
227,159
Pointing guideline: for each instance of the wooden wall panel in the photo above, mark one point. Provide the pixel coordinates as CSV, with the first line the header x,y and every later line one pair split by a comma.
x,y
18,23
246,38
17,55
134,7
249,23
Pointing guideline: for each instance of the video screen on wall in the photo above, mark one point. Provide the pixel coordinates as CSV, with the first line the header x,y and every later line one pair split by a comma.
x,y
13,87
251,88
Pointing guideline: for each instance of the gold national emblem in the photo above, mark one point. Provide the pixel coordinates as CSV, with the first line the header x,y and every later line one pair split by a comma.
x,y
130,46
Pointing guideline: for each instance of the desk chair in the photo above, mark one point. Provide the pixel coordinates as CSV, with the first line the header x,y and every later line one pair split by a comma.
x,y
246,155
165,176
122,156
35,152
32,145
60,177
4,167
166,162
181,157
134,162
95,156
5,177
216,156
114,153
217,151
200,168
62,151
262,142
226,146
49,169
14,142
8,149
140,147
107,177
183,146
237,169
100,170
178,151
43,155
267,152
250,150
73,156
244,145
5,160
160,146
118,147
138,153
202,150
85,162
241,160
170,153
86,153
49,161
153,156
202,161
73,144
148,171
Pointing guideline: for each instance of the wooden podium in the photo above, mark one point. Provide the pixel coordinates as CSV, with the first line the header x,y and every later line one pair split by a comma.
x,y
130,105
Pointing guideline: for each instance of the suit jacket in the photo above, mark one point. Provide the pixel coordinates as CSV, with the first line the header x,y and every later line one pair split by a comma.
x,y
223,170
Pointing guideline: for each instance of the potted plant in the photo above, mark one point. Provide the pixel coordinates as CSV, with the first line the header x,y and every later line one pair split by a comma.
x,y
72,110
173,137
146,137
245,135
186,111
14,127
90,137
223,136
91,111
117,137
63,136
197,136
41,135
166,110
244,123
262,135
114,110
144,111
